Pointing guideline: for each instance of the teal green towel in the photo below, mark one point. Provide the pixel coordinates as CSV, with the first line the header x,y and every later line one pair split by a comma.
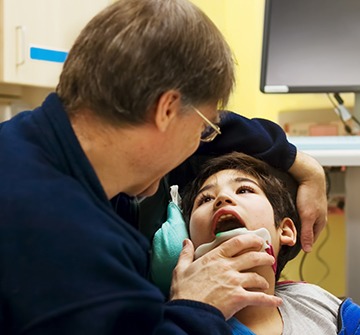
x,y
166,248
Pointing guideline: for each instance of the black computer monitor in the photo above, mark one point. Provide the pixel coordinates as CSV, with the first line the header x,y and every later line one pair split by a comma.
x,y
311,46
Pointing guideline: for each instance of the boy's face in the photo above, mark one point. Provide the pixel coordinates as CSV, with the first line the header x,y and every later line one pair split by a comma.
x,y
227,200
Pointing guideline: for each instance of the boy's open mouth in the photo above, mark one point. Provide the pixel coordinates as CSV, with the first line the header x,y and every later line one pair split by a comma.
x,y
227,222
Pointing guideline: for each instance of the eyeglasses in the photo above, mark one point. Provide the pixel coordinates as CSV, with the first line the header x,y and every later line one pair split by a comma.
x,y
211,130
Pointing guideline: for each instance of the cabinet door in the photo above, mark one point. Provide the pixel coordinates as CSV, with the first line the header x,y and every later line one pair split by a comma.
x,y
36,36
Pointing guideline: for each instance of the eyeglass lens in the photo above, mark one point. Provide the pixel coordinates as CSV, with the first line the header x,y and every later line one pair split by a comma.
x,y
208,134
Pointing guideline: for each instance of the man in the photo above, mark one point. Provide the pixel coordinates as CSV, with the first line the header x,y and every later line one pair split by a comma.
x,y
139,86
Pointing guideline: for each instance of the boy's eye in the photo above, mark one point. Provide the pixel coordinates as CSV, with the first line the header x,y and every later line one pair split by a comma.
x,y
203,199
245,189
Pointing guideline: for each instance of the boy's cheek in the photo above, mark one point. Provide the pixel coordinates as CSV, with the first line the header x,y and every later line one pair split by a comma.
x,y
200,233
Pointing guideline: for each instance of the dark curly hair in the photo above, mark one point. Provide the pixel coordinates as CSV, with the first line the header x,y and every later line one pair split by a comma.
x,y
270,181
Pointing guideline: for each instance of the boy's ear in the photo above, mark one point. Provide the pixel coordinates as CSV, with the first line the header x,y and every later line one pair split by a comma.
x,y
167,107
288,232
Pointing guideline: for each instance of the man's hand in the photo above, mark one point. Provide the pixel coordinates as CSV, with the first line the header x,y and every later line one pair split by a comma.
x,y
217,278
311,199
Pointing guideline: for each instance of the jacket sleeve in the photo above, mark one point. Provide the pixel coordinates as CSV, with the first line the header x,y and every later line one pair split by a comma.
x,y
76,268
349,318
260,138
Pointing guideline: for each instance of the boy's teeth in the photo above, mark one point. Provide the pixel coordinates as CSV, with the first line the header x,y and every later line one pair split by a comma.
x,y
225,216
227,222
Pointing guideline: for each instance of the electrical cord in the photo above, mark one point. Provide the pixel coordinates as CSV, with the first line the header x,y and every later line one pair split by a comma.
x,y
327,170
341,103
342,111
320,259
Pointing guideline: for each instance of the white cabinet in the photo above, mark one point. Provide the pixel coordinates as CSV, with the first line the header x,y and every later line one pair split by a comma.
x,y
35,36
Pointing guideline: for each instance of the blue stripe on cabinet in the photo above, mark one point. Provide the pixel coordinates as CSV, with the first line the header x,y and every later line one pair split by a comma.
x,y
48,55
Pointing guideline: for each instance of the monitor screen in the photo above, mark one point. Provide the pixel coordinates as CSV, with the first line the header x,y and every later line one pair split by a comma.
x,y
311,46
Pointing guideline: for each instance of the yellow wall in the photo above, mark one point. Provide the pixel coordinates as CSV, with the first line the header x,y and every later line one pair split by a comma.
x,y
241,22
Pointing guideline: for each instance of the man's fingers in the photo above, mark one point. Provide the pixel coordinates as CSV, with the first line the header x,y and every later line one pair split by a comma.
x,y
307,237
187,254
243,297
224,277
318,227
259,299
250,260
240,244
252,281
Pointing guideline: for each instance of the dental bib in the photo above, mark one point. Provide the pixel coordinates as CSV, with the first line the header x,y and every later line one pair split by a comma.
x,y
226,235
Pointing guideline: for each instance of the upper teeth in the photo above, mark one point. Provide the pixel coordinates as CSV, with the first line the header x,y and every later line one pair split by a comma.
x,y
225,217
227,222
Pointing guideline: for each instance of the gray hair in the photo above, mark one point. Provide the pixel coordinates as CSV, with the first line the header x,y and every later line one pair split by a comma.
x,y
133,51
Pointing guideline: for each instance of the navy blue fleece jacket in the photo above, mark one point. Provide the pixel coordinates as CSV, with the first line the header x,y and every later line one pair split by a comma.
x,y
70,264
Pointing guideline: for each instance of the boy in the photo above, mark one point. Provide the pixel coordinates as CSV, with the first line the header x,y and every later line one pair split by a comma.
x,y
237,191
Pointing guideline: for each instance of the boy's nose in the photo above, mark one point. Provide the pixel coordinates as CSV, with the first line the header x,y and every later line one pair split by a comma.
x,y
223,200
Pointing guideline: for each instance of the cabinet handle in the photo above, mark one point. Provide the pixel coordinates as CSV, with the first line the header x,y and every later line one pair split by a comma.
x,y
20,45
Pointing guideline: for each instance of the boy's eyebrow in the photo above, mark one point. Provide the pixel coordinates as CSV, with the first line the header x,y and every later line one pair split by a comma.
x,y
205,188
241,179
237,180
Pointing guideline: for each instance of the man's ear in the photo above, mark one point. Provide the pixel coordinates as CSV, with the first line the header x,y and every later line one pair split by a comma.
x,y
167,108
288,232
